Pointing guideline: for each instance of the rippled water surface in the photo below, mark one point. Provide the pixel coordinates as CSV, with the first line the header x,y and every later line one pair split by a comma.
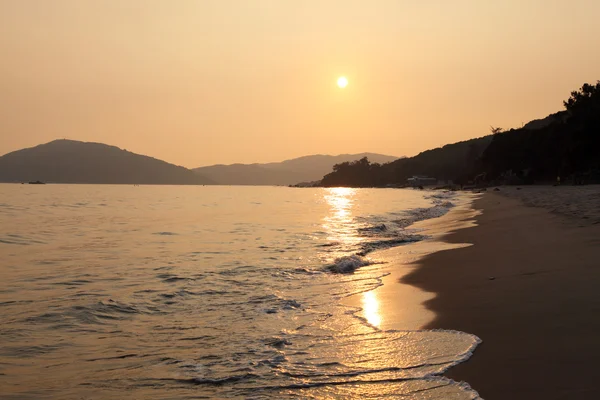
x,y
209,292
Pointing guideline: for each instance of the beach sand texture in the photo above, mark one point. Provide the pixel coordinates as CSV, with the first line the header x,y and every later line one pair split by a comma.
x,y
580,202
529,287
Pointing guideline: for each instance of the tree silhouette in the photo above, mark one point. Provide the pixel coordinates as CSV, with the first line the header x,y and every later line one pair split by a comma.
x,y
569,145
587,96
495,131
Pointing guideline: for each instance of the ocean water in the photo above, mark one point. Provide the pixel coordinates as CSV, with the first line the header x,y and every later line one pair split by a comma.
x,y
161,292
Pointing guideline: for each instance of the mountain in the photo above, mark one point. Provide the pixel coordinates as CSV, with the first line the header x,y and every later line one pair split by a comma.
x,y
302,169
70,161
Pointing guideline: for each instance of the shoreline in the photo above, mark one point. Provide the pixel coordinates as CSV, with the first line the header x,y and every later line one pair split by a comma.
x,y
402,306
524,280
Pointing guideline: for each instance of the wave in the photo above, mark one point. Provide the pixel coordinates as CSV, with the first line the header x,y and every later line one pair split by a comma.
x,y
216,382
397,363
388,232
384,356
99,313
348,264
373,229
420,214
446,194
388,243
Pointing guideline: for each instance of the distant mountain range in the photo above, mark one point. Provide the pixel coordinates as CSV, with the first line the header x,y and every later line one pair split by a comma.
x,y
302,169
70,161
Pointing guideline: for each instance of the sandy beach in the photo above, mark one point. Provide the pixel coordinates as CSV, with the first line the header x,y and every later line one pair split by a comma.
x,y
528,287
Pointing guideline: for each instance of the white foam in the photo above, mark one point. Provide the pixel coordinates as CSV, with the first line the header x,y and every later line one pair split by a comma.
x,y
442,195
413,360
420,214
348,264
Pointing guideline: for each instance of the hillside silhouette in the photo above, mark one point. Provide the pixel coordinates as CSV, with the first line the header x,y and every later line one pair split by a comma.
x,y
70,161
302,169
565,144
451,162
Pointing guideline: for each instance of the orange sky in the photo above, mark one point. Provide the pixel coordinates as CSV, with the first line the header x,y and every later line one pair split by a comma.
x,y
198,82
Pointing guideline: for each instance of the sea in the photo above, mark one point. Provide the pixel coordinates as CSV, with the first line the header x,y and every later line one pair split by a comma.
x,y
212,292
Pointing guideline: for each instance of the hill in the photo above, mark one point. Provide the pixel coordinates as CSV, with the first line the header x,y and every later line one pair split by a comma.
x,y
451,162
565,144
536,124
302,169
70,161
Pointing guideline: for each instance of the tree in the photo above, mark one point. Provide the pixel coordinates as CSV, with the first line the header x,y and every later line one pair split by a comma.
x,y
583,97
495,131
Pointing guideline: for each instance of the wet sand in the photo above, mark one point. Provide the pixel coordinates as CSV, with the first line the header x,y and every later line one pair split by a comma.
x,y
401,306
529,287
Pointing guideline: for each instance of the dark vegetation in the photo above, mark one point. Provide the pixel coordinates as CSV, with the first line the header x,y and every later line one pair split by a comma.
x,y
565,144
451,162
568,145
69,161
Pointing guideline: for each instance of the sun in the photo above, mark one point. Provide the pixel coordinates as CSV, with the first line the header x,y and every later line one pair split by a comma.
x,y
342,82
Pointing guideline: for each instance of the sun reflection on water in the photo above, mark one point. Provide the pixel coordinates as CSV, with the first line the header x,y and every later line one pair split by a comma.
x,y
339,223
340,200
370,305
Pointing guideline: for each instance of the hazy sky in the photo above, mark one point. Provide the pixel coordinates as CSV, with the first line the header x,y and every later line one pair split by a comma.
x,y
202,82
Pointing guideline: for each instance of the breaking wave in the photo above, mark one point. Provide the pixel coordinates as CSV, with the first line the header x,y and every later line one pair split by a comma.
x,y
386,231
348,264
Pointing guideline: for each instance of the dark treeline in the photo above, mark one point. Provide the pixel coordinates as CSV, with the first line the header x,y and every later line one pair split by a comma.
x,y
451,162
565,144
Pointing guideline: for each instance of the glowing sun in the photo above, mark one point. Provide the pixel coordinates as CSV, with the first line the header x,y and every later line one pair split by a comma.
x,y
342,82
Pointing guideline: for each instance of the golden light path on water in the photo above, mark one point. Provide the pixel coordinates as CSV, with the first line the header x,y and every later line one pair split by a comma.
x,y
339,223
402,362
341,201
370,305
